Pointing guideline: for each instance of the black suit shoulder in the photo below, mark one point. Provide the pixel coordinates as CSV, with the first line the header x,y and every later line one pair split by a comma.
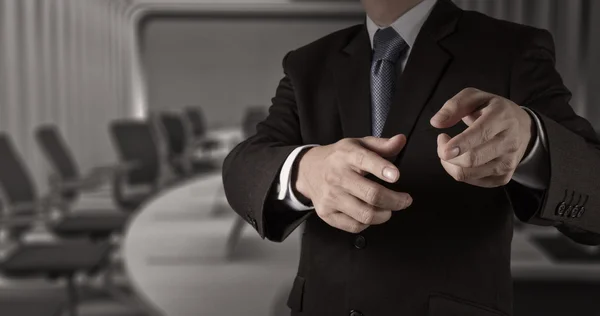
x,y
506,37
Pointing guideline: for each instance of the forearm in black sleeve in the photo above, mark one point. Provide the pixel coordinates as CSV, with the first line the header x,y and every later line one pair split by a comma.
x,y
573,148
251,170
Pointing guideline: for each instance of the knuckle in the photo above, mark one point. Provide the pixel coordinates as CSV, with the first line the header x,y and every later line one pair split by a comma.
x,y
514,163
513,146
451,104
323,211
359,158
472,159
497,170
485,134
368,215
502,168
354,228
495,101
460,175
504,180
470,90
345,142
329,196
494,107
373,195
507,166
333,178
344,145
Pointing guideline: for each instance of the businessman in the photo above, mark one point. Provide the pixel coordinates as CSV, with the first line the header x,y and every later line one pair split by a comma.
x,y
406,144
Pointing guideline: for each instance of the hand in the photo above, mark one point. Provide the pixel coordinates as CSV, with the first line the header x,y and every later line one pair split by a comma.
x,y
333,178
487,153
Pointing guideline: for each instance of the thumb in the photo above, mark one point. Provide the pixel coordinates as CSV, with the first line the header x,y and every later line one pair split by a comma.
x,y
442,140
385,147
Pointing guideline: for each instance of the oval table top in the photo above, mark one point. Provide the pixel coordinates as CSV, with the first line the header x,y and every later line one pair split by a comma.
x,y
175,254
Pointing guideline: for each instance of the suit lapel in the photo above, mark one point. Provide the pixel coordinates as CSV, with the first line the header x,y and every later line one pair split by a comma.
x,y
352,73
427,63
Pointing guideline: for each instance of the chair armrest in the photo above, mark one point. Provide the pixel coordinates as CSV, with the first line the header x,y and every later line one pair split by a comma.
x,y
110,170
16,222
79,184
17,218
127,166
117,167
206,143
25,206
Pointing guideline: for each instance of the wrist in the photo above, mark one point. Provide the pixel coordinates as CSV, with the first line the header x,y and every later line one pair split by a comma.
x,y
298,177
532,133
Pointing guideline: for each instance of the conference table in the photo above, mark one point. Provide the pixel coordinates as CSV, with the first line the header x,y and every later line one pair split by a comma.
x,y
178,255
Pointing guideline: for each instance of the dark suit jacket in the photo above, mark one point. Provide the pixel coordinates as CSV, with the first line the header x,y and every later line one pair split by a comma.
x,y
449,253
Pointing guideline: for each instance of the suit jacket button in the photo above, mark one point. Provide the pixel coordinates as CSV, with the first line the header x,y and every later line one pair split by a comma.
x,y
356,313
360,242
568,211
575,211
251,220
560,209
581,211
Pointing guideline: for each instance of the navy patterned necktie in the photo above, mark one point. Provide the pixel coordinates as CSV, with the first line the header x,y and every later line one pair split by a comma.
x,y
388,46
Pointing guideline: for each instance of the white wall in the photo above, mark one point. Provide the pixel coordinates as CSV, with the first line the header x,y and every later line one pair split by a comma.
x,y
223,64
63,62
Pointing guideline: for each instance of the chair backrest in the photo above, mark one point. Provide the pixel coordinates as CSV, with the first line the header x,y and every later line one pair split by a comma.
x,y
135,142
15,181
176,132
253,116
197,121
57,152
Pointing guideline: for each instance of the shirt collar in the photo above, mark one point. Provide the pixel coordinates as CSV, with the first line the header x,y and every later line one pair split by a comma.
x,y
409,24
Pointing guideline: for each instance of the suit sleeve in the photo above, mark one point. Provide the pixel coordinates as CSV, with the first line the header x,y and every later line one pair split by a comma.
x,y
571,201
251,170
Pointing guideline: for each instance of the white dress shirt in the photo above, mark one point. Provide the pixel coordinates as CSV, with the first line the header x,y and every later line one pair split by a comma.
x,y
531,172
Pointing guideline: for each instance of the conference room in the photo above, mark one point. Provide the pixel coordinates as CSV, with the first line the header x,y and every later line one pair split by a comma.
x,y
116,119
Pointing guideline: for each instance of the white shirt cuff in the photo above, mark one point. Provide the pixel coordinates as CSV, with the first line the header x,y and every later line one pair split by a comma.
x,y
284,187
533,172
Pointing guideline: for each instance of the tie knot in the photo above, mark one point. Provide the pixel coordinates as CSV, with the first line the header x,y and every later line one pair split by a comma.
x,y
388,45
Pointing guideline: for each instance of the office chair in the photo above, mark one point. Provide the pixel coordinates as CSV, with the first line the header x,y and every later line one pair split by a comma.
x,y
31,303
64,221
253,115
22,212
197,123
66,177
183,148
135,141
177,140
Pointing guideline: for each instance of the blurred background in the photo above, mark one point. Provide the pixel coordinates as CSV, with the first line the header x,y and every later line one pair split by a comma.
x,y
116,115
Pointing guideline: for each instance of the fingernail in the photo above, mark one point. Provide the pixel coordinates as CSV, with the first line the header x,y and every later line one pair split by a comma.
x,y
390,174
453,153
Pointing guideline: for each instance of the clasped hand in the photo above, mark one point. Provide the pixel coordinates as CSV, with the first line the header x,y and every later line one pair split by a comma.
x,y
486,154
